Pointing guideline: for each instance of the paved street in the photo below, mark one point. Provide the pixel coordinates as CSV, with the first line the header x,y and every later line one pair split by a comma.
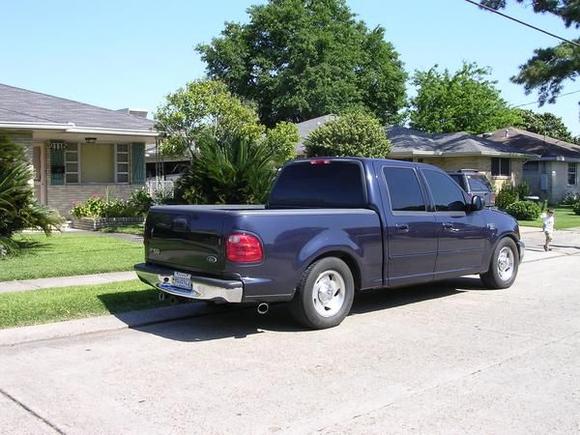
x,y
445,358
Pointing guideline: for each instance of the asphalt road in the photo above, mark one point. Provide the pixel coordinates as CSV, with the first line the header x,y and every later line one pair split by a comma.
x,y
445,358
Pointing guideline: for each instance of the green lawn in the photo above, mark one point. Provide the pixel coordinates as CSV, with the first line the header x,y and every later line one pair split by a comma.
x,y
64,303
564,216
136,230
70,254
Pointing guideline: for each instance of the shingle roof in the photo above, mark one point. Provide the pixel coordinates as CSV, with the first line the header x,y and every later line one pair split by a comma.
x,y
409,141
23,106
526,141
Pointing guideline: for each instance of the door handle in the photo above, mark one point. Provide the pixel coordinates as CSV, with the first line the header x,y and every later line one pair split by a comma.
x,y
402,228
447,226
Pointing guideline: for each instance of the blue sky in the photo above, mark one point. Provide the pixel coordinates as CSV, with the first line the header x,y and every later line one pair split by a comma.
x,y
129,53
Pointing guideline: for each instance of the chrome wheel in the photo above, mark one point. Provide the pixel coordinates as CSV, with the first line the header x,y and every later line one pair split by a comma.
x,y
328,293
505,263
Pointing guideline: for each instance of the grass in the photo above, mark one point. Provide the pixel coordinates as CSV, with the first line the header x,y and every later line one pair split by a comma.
x,y
136,230
69,254
65,303
564,216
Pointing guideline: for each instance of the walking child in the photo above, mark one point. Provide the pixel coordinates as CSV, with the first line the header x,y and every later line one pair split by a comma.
x,y
548,228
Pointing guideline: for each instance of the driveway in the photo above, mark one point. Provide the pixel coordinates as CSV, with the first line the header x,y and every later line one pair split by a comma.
x,y
445,358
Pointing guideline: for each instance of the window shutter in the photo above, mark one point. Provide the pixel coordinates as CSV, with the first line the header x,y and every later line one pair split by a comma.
x,y
56,164
138,163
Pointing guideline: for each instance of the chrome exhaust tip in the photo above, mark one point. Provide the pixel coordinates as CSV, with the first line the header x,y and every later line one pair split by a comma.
x,y
263,308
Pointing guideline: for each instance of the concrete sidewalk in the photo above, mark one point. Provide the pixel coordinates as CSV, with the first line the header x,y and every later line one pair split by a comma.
x,y
65,281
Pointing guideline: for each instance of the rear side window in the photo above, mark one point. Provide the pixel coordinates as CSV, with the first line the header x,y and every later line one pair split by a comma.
x,y
404,189
446,194
320,183
478,183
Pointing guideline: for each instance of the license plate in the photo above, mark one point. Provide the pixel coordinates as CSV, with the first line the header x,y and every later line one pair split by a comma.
x,y
182,280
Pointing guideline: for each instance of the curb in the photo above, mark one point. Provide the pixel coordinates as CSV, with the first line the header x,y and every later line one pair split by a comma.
x,y
72,328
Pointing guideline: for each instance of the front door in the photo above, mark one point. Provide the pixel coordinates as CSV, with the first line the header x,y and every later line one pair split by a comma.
x,y
462,234
411,230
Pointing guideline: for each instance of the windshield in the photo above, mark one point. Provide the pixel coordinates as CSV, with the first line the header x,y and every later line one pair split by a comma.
x,y
320,183
479,183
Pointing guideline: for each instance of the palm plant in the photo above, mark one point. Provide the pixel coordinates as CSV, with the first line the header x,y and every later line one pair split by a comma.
x,y
228,170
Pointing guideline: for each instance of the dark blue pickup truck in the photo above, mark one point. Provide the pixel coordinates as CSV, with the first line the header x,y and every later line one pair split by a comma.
x,y
331,227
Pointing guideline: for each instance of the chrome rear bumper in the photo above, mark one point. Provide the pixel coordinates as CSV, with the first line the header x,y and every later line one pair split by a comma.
x,y
203,288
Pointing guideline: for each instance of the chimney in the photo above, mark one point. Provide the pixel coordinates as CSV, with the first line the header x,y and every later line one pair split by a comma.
x,y
134,112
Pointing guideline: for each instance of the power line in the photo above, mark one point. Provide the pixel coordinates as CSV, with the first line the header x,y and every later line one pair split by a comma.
x,y
487,8
536,102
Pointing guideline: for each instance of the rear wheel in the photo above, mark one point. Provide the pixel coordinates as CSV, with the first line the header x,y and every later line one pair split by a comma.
x,y
503,267
325,294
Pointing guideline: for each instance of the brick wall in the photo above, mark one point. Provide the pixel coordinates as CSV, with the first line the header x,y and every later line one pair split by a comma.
x,y
63,198
482,164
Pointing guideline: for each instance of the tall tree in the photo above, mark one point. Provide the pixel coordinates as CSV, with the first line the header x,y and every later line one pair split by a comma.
x,y
466,100
299,59
546,124
548,69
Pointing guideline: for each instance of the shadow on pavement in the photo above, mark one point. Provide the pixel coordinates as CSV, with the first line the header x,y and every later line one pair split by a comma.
x,y
231,321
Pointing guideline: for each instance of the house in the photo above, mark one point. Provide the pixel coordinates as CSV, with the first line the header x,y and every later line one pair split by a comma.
x,y
555,172
502,163
77,150
307,127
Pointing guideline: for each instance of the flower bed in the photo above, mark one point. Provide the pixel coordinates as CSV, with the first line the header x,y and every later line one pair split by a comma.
x,y
95,224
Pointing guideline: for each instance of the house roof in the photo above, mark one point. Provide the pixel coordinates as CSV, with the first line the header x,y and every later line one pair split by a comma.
x,y
408,142
307,127
21,108
547,147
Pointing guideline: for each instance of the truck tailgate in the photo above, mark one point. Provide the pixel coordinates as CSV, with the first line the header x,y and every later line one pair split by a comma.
x,y
189,239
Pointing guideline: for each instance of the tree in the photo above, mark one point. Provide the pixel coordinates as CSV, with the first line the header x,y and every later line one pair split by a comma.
x,y
300,59
466,100
549,68
355,134
546,124
18,208
233,156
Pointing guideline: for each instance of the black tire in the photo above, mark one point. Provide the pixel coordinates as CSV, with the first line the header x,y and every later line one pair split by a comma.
x,y
493,279
306,307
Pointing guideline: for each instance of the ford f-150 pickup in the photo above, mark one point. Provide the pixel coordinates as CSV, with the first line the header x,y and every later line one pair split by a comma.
x,y
330,228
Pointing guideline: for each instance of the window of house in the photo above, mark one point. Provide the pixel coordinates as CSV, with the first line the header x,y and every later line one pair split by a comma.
x,y
445,192
71,164
56,163
122,163
572,174
97,163
500,167
404,189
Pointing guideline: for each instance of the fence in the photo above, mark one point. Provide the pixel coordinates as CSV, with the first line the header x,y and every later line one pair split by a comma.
x,y
160,188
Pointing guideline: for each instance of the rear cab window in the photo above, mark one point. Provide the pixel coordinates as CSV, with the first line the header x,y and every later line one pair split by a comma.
x,y
324,183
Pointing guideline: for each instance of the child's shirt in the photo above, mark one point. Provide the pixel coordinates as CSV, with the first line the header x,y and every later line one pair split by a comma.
x,y
549,224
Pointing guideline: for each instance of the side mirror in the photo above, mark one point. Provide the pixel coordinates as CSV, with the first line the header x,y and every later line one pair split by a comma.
x,y
476,203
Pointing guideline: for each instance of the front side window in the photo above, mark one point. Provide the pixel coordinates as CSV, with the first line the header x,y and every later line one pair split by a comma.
x,y
404,189
500,167
446,193
572,174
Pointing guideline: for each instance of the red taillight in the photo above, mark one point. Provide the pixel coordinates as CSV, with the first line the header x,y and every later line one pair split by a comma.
x,y
320,162
244,248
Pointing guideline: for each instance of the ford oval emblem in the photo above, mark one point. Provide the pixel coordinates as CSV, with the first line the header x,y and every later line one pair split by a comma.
x,y
211,259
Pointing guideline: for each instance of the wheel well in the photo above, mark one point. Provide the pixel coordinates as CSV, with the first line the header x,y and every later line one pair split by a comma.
x,y
350,262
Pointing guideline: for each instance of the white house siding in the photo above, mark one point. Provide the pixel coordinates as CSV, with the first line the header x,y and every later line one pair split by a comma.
x,y
550,181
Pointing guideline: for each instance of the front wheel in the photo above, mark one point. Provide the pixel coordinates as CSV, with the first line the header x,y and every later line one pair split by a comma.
x,y
503,267
325,294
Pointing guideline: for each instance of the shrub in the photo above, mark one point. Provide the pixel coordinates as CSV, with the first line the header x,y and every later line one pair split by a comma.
x,y
96,207
506,196
577,208
355,134
524,210
18,208
570,198
140,201
523,190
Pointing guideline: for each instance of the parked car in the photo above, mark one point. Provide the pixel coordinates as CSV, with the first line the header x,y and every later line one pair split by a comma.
x,y
475,183
330,228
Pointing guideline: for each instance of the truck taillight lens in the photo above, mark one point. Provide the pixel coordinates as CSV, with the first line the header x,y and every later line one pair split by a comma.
x,y
244,248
